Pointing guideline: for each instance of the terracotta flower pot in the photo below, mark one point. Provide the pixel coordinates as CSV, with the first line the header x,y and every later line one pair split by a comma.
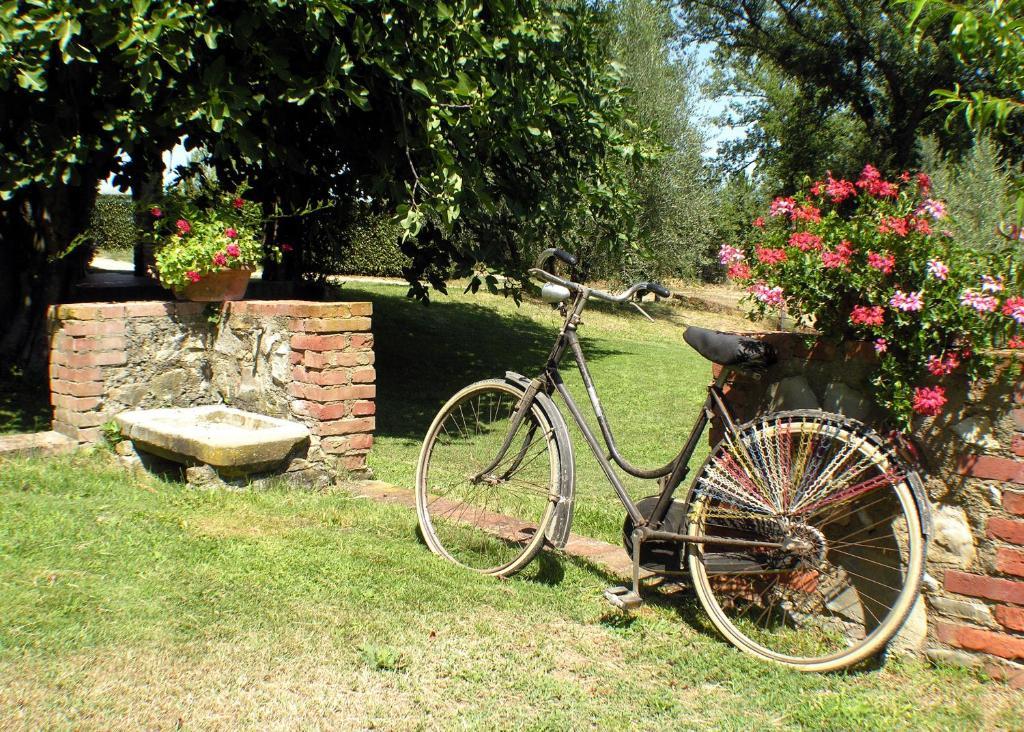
x,y
224,284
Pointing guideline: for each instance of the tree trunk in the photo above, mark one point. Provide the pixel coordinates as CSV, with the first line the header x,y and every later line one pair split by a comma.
x,y
37,229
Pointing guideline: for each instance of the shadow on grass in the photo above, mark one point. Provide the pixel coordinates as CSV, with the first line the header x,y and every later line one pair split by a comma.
x,y
24,401
424,354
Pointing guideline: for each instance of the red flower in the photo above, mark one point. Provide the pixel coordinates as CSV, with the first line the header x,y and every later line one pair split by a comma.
x,y
1015,342
807,212
1014,308
867,315
832,260
929,401
193,276
759,222
924,183
233,250
845,248
220,260
155,212
805,241
871,181
922,225
905,176
738,271
183,227
884,262
894,225
230,233
770,256
238,203
839,190
939,366
817,187
287,248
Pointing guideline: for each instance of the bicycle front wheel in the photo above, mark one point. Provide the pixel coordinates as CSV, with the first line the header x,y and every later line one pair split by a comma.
x,y
846,566
491,521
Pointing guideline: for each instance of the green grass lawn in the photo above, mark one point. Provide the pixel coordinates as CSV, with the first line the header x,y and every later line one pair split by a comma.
x,y
651,384
137,603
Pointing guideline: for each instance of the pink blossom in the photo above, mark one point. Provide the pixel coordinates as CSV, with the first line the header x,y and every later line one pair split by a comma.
x,y
193,276
768,295
981,303
766,255
881,345
1015,342
807,212
839,190
867,315
230,233
931,207
156,212
928,401
883,262
1014,308
924,183
937,269
233,250
805,241
894,225
758,223
238,203
289,248
871,181
183,227
907,301
738,271
991,284
833,260
726,254
220,260
782,206
943,366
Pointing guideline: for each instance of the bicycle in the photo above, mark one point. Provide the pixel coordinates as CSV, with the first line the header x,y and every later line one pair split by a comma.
x,y
803,532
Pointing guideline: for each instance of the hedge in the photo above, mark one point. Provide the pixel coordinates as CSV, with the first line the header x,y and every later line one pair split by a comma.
x,y
112,225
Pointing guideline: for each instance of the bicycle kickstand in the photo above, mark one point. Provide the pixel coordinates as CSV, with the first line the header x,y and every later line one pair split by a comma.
x,y
621,597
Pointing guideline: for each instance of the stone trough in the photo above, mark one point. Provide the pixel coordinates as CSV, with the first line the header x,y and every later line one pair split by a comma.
x,y
232,441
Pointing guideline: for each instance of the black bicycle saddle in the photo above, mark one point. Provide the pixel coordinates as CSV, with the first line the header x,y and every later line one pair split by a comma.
x,y
728,349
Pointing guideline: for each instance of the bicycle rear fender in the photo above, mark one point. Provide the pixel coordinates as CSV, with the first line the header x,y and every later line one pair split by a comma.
x,y
561,524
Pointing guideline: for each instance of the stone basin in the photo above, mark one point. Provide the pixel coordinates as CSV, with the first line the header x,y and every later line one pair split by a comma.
x,y
231,440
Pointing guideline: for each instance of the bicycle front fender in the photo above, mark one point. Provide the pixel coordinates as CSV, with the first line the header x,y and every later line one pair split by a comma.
x,y
561,524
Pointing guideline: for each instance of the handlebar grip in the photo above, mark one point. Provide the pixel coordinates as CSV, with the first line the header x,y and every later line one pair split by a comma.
x,y
565,257
658,289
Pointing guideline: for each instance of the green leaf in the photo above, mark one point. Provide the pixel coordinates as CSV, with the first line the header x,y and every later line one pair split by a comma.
x,y
421,88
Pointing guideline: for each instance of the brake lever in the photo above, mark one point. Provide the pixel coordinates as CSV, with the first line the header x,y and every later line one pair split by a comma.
x,y
643,312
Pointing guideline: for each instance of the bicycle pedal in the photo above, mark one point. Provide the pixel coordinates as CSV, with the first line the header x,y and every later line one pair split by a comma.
x,y
623,598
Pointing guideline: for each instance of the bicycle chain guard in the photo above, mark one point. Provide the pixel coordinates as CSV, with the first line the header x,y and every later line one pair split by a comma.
x,y
658,556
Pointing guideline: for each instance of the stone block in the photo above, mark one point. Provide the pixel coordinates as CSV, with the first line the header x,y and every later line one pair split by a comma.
x,y
953,658
792,393
952,539
911,638
844,399
976,432
951,608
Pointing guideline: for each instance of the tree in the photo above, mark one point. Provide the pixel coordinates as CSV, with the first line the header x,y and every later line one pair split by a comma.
x,y
837,67
481,125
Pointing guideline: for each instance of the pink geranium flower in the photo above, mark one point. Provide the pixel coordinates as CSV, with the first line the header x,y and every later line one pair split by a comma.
x,y
758,222
807,212
782,206
1014,308
943,365
193,276
220,260
908,302
726,254
870,315
881,345
230,233
238,203
289,247
156,212
937,269
981,303
184,227
839,190
931,207
883,262
924,183
233,250
768,295
928,401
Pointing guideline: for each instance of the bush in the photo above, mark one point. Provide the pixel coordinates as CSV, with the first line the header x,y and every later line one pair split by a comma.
x,y
112,224
871,260
353,242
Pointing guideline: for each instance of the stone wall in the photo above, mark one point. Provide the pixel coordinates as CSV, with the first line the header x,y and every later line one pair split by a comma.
x,y
973,466
307,361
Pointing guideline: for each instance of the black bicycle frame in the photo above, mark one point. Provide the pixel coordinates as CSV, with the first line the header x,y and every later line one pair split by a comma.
x,y
671,475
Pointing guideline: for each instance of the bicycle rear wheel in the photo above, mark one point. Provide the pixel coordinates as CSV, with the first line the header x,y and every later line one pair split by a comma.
x,y
493,522
851,554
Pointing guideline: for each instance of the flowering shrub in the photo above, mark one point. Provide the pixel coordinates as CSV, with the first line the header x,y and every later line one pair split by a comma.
x,y
869,260
196,238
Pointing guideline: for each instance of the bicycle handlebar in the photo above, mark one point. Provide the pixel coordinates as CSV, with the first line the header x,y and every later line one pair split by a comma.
x,y
624,296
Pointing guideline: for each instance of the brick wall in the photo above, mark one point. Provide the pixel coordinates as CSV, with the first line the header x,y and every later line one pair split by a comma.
x,y
307,361
974,589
